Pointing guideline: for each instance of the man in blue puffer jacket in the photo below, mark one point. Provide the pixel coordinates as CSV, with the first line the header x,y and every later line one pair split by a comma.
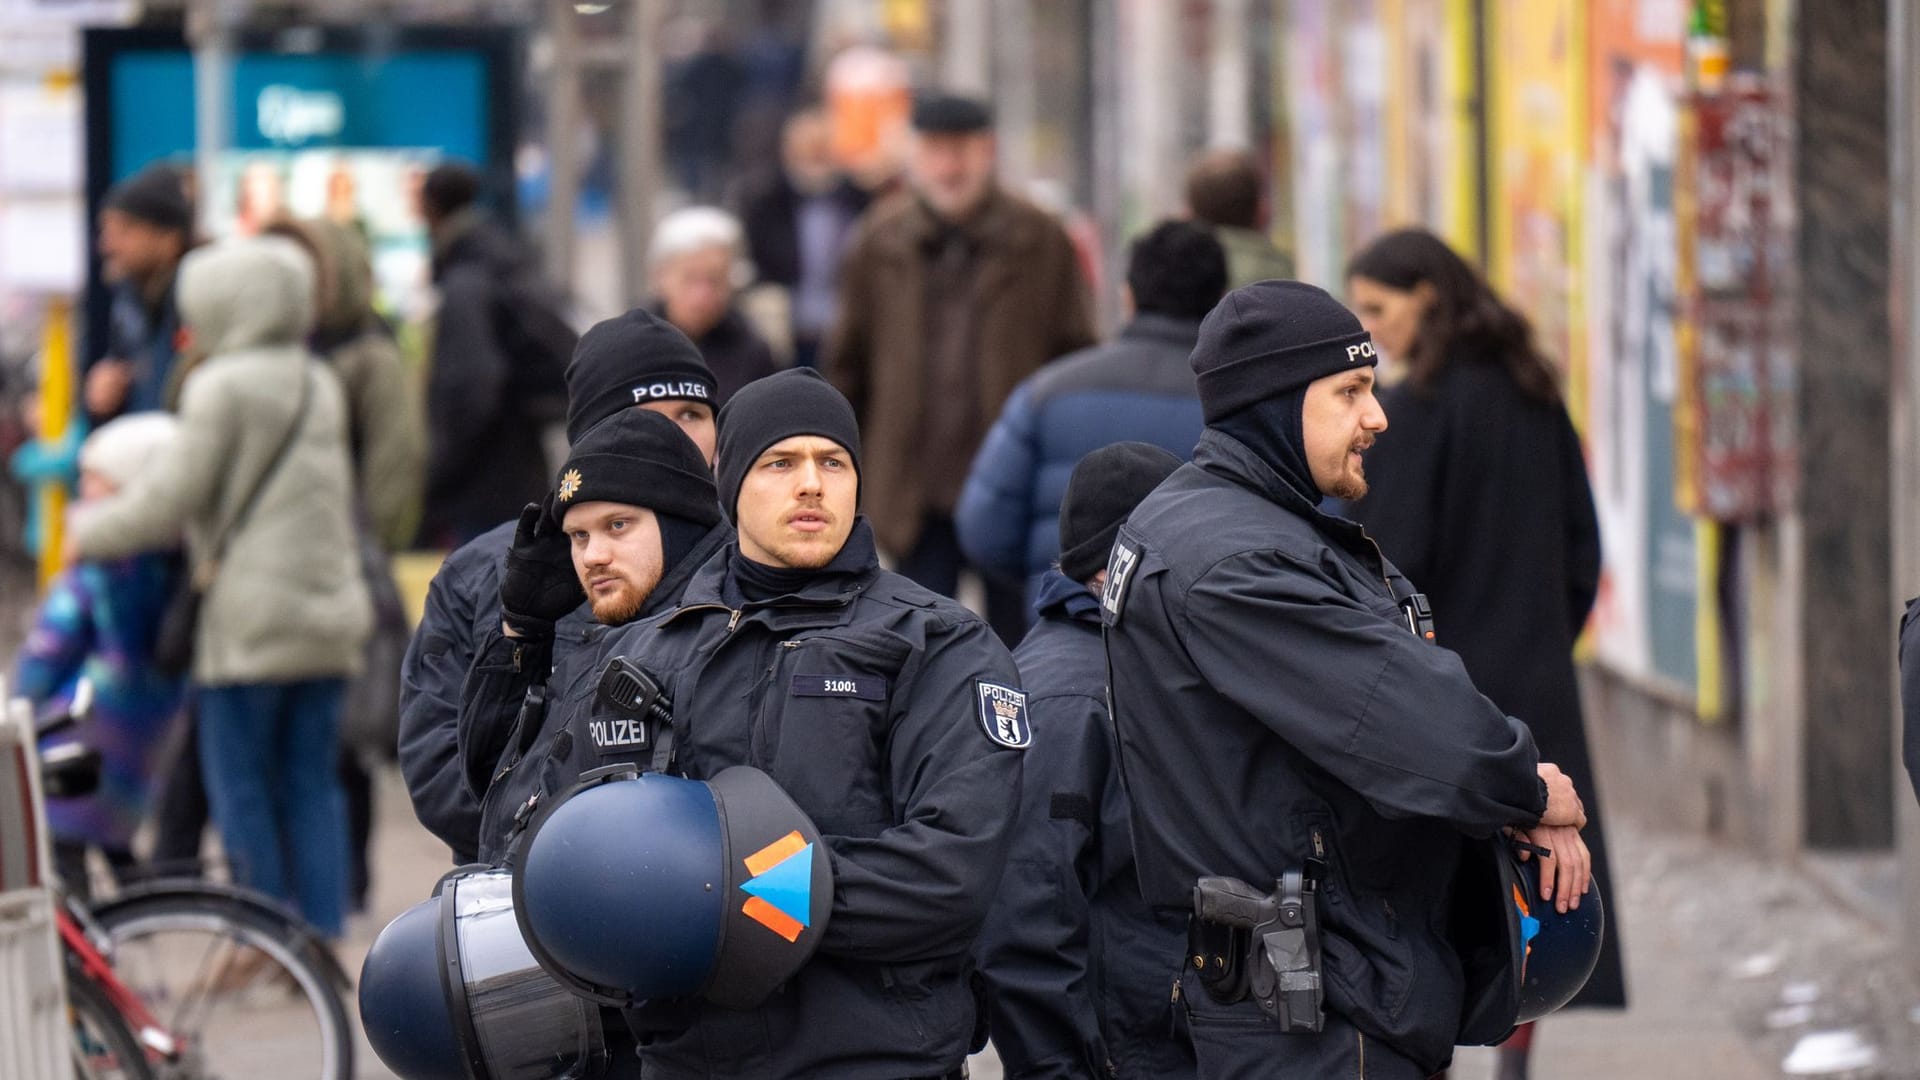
x,y
1138,387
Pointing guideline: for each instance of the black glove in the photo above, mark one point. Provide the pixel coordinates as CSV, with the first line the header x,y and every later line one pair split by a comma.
x,y
539,587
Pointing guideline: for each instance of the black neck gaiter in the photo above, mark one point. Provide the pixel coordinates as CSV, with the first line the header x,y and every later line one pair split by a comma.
x,y
756,581
1272,429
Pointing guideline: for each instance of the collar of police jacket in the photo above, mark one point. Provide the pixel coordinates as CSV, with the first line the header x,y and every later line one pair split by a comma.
x,y
1230,459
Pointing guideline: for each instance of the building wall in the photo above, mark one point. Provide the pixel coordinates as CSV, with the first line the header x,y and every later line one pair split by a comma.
x,y
1845,381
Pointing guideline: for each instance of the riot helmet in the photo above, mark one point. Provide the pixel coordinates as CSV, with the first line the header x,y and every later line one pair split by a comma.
x,y
449,991
637,887
1557,950
1521,958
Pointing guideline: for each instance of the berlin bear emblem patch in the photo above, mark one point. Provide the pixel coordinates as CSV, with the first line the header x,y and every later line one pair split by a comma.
x,y
1003,713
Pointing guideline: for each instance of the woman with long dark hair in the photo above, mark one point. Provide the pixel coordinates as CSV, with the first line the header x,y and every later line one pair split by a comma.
x,y
1478,492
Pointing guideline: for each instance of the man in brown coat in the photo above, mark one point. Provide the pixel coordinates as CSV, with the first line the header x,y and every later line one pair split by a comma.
x,y
950,295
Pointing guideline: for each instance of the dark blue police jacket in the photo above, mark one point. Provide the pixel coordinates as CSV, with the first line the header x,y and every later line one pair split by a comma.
x,y
448,761
871,701
1079,970
1271,706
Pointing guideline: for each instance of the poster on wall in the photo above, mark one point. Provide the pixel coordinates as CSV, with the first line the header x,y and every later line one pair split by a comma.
x,y
1736,461
1313,109
1644,624
344,127
1538,130
1430,143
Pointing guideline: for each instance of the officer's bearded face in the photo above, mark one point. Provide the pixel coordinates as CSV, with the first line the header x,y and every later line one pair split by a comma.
x,y
618,555
797,503
1339,418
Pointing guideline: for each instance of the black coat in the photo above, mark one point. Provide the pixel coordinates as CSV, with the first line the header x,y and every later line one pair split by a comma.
x,y
736,353
489,736
1078,968
865,697
770,217
1480,496
462,612
1272,706
485,459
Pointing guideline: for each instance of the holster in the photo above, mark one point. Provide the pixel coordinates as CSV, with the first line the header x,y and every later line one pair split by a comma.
x,y
1243,943
1286,966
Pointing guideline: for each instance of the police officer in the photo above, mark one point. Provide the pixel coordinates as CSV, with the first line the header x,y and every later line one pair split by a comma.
x,y
1077,965
890,714
1276,715
634,360
631,516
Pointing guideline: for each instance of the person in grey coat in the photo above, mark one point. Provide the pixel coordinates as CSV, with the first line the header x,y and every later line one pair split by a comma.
x,y
262,482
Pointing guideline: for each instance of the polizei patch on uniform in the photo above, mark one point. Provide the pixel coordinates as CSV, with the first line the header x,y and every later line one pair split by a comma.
x,y
1121,563
1003,712
615,734
864,687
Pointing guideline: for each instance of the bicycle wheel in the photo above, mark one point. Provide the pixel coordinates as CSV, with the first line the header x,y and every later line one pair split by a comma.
x,y
104,1047
246,986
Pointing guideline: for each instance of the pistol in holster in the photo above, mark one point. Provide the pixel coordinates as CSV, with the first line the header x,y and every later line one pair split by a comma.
x,y
1245,943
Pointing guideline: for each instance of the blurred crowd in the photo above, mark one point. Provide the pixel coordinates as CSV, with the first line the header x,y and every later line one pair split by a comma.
x,y
261,443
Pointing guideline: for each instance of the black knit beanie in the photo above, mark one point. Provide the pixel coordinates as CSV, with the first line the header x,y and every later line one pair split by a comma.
x,y
156,195
798,401
1270,337
1103,490
638,458
630,360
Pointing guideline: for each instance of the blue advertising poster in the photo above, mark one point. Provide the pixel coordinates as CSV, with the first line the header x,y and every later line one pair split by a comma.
x,y
343,128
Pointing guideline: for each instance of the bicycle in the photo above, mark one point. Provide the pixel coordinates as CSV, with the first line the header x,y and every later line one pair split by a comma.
x,y
184,979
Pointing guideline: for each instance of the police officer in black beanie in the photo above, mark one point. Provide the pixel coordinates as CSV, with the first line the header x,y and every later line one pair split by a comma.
x,y
632,362
1280,707
892,716
1076,964
633,515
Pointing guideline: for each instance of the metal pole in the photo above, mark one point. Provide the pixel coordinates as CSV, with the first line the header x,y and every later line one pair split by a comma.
x,y
1230,77
1015,108
563,129
641,130
966,54
209,29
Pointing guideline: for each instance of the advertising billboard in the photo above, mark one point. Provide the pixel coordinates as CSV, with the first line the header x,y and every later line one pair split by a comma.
x,y
336,123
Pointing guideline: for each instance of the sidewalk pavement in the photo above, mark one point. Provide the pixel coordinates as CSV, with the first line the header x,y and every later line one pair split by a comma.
x,y
1731,962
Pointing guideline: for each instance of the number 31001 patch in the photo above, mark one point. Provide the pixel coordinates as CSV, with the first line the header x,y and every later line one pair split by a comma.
x,y
864,687
1003,713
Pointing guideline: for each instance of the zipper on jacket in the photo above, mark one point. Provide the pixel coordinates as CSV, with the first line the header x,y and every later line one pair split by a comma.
x,y
1382,556
733,616
1319,844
